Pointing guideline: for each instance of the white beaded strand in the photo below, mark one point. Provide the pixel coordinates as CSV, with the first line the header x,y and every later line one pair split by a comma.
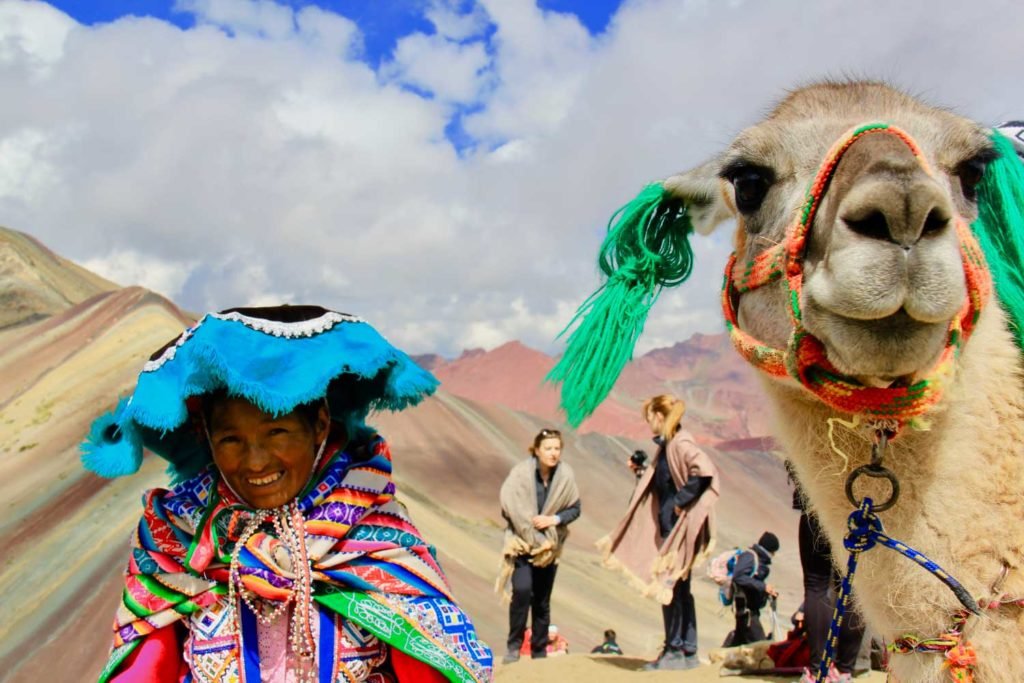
x,y
236,589
289,525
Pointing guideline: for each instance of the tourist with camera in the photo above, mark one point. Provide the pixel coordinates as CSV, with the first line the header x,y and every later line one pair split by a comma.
x,y
667,527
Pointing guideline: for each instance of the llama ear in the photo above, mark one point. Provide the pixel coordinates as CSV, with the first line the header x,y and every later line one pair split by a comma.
x,y
703,192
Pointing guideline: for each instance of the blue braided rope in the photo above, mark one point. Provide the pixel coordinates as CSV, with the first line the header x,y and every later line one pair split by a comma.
x,y
865,531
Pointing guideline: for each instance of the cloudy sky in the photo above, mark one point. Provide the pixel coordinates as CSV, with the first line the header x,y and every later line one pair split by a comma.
x,y
444,168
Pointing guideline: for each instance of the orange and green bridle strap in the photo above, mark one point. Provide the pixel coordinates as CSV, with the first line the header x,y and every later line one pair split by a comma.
x,y
805,358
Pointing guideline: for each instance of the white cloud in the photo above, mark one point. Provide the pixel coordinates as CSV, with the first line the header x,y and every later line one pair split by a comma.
x,y
517,320
542,61
452,71
513,151
127,267
454,21
328,31
27,172
32,36
317,28
260,156
258,17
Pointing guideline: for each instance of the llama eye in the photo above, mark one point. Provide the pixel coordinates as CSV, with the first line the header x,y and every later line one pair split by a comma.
x,y
750,184
971,173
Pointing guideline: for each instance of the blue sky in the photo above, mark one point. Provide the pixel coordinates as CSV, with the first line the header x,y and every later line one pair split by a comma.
x,y
444,168
382,22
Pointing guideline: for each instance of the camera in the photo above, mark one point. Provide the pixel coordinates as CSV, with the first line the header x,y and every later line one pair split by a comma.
x,y
639,461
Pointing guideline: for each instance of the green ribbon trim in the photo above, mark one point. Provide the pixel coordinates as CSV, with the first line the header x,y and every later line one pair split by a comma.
x,y
117,656
394,629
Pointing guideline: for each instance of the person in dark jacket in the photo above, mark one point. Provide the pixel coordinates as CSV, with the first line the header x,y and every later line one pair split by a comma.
x,y
751,591
821,582
609,646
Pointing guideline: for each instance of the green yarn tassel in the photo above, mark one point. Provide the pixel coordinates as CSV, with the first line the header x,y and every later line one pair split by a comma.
x,y
646,249
1000,230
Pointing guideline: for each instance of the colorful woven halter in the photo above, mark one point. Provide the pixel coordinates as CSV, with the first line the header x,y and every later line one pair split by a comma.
x,y
805,358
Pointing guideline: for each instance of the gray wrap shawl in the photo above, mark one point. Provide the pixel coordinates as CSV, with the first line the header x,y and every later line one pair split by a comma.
x,y
519,507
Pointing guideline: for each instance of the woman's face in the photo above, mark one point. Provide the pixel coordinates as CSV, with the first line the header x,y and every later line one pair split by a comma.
x,y
266,460
549,452
656,421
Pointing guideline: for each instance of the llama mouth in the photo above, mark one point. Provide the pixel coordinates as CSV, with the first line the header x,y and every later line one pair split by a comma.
x,y
886,382
265,481
882,352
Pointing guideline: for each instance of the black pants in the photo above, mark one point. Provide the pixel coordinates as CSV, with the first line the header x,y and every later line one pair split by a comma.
x,y
680,620
748,627
820,583
531,590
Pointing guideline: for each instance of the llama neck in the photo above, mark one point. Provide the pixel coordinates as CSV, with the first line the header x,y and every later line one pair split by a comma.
x,y
960,480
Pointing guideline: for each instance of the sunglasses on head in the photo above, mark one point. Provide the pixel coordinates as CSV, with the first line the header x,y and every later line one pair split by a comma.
x,y
550,432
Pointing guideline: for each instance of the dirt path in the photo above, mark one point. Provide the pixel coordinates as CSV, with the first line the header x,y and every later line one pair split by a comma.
x,y
607,669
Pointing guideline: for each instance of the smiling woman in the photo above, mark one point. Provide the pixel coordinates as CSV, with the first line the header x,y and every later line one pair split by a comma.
x,y
265,458
282,553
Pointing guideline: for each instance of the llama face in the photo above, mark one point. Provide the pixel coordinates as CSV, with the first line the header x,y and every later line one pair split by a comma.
x,y
883,276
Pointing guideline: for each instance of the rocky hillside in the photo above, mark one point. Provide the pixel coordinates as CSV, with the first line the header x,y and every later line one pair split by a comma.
x,y
723,398
35,282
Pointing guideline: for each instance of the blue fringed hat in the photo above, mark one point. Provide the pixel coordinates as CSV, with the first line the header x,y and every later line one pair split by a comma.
x,y
277,358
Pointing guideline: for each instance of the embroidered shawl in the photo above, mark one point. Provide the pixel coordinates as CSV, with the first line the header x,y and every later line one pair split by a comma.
x,y
370,564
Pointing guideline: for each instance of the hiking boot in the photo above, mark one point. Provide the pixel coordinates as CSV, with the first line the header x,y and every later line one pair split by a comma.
x,y
653,664
811,676
510,657
668,660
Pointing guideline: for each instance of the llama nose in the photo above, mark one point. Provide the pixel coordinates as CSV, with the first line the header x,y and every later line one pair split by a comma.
x,y
898,210
885,194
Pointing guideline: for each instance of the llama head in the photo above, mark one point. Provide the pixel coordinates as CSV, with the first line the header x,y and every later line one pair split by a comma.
x,y
885,282
882,268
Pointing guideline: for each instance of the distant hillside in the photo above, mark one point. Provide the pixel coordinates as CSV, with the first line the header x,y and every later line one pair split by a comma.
x,y
36,283
64,531
724,401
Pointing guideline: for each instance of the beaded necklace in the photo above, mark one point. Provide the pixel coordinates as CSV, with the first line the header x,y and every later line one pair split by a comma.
x,y
805,358
289,525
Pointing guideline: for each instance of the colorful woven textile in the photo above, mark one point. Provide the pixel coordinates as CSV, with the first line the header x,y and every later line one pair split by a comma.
x,y
805,358
369,563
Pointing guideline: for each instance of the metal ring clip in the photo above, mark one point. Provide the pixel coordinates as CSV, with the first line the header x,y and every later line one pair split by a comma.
x,y
876,470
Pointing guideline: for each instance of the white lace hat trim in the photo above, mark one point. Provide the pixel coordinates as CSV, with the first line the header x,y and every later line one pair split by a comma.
x,y
293,330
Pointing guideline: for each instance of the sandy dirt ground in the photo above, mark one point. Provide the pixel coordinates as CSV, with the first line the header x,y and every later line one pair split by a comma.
x,y
610,669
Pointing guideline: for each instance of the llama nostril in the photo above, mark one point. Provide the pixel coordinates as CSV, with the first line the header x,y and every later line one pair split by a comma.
x,y
873,225
935,223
